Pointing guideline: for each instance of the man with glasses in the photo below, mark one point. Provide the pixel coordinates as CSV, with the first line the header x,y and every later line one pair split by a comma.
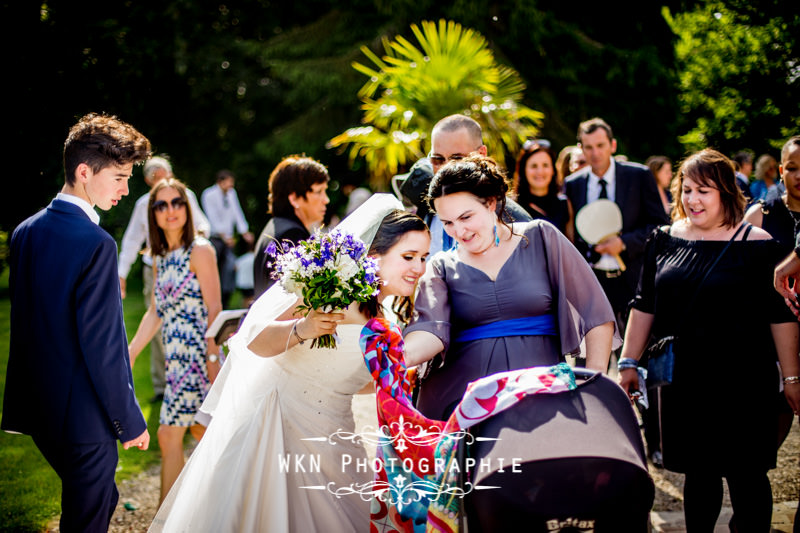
x,y
135,237
453,138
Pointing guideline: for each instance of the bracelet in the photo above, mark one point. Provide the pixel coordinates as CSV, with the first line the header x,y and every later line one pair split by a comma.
x,y
791,379
626,363
294,332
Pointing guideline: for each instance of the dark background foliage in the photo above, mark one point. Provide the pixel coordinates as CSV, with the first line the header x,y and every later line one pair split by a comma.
x,y
239,85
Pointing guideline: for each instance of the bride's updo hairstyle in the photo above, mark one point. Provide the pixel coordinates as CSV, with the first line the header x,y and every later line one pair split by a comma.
x,y
476,174
393,227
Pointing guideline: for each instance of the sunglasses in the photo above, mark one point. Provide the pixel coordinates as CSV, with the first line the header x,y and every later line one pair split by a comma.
x,y
160,206
533,144
438,160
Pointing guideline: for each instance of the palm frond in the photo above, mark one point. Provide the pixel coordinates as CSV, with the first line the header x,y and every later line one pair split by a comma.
x,y
450,70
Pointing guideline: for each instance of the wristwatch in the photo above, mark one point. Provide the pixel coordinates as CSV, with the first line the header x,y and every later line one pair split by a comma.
x,y
212,358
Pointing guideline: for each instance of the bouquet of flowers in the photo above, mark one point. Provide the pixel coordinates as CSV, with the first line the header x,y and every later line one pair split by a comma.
x,y
329,271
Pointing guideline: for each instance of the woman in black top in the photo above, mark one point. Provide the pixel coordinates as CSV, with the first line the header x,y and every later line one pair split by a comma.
x,y
717,417
779,212
537,189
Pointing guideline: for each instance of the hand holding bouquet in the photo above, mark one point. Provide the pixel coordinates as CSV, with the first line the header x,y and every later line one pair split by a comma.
x,y
329,271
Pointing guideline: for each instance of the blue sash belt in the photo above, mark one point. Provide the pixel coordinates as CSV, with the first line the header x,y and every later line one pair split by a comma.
x,y
529,325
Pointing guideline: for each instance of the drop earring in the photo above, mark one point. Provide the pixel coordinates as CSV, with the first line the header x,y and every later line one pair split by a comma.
x,y
496,236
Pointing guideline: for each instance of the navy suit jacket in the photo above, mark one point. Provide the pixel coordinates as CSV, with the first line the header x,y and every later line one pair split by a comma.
x,y
637,197
69,375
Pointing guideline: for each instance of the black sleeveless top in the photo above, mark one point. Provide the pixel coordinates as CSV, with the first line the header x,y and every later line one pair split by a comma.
x,y
778,221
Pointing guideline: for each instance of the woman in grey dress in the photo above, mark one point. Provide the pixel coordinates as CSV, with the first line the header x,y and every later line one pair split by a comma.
x,y
506,297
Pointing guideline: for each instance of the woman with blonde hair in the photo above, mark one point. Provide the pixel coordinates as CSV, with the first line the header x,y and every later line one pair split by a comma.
x,y
766,175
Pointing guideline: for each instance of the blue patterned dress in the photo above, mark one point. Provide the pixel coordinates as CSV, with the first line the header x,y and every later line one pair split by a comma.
x,y
184,315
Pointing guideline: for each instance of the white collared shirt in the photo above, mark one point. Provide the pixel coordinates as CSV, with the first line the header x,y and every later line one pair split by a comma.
x,y
223,211
606,262
593,186
83,204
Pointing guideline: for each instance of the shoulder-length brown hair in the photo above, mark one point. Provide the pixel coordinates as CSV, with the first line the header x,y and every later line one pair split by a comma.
x,y
519,185
158,241
711,168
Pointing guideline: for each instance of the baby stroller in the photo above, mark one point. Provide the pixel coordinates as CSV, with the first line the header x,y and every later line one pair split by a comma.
x,y
580,464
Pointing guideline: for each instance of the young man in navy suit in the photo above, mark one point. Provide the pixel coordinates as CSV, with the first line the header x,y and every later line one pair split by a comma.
x,y
69,383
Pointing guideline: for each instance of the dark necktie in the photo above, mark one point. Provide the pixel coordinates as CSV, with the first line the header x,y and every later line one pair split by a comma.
x,y
603,190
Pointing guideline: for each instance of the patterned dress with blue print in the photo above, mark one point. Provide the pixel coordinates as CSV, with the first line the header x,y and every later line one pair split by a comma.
x,y
184,316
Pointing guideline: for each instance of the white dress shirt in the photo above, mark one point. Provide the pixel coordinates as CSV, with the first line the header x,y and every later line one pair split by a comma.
x,y
83,204
136,234
593,186
223,211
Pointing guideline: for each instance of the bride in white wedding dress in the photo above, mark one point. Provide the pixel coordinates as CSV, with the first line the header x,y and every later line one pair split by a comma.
x,y
266,462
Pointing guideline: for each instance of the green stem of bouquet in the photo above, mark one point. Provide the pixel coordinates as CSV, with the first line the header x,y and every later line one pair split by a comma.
x,y
324,341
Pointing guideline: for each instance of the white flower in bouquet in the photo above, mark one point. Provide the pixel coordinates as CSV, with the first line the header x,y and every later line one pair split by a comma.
x,y
346,268
329,271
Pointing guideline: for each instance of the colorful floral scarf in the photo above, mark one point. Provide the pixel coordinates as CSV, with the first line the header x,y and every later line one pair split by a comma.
x,y
417,486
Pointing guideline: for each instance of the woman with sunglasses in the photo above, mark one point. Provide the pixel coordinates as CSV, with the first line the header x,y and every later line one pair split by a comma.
x,y
186,298
536,186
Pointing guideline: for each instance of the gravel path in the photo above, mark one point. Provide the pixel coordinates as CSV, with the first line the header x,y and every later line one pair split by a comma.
x,y
141,492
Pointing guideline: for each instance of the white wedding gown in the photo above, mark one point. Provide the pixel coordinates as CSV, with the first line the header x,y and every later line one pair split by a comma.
x,y
238,478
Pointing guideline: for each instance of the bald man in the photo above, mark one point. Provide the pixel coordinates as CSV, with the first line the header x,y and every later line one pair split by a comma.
x,y
452,138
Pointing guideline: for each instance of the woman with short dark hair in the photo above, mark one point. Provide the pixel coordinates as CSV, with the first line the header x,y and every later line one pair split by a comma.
x,y
297,202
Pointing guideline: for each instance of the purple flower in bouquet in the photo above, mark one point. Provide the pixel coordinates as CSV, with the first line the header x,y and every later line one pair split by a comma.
x,y
329,271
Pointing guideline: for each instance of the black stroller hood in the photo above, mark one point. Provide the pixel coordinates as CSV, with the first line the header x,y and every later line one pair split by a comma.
x,y
572,461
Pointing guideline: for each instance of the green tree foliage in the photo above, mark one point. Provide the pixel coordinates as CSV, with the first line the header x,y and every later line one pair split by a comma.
x,y
581,60
410,88
241,83
739,68
235,85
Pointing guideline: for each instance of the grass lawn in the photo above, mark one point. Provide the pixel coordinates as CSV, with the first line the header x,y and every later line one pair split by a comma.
x,y
30,492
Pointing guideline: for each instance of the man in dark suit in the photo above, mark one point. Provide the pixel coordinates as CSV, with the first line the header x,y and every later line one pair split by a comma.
x,y
633,188
69,383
